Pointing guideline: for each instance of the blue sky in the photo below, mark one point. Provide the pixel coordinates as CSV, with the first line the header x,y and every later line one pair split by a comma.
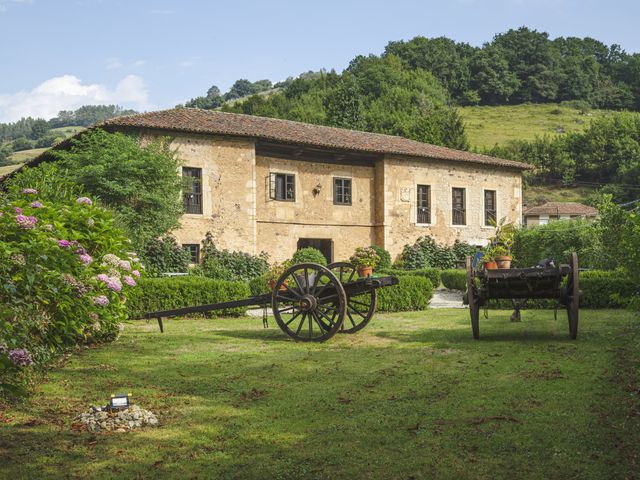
x,y
60,54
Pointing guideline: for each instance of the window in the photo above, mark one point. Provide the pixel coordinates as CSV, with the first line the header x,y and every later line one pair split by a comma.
x,y
342,191
282,186
194,251
490,207
459,212
192,193
424,204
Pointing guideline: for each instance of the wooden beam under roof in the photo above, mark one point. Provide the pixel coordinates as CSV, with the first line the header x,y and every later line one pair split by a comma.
x,y
315,154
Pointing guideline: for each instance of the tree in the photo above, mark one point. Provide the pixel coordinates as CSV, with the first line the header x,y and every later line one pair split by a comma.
x,y
139,183
344,105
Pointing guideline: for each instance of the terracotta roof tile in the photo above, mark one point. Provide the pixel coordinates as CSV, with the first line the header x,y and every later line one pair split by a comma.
x,y
222,123
561,208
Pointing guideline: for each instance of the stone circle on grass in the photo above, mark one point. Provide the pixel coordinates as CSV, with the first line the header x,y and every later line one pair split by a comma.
x,y
100,420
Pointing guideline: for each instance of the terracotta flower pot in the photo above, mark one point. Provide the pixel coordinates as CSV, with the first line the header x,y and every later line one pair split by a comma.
x,y
365,272
490,265
504,261
272,285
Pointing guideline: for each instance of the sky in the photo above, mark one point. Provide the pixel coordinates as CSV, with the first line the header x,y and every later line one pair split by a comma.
x,y
151,54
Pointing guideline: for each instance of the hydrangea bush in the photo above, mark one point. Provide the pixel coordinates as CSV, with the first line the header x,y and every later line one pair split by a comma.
x,y
65,272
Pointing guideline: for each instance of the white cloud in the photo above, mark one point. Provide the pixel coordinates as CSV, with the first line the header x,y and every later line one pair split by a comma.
x,y
114,63
68,93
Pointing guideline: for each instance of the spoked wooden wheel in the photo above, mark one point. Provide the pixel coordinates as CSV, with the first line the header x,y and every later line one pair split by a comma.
x,y
573,297
361,307
309,303
472,299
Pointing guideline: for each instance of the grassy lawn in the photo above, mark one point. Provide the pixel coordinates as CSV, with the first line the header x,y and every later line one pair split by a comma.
x,y
412,396
486,126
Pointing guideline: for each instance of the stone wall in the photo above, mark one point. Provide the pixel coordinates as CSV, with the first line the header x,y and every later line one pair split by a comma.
x,y
228,191
403,174
313,214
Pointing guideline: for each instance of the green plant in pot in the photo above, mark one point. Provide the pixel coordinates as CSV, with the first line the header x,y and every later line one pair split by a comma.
x,y
364,260
489,257
275,272
504,238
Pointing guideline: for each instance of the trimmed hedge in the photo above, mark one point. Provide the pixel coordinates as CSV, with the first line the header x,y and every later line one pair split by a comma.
x,y
413,293
166,293
432,274
258,285
454,279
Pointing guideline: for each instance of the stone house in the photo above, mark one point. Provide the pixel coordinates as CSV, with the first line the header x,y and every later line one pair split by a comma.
x,y
263,184
552,211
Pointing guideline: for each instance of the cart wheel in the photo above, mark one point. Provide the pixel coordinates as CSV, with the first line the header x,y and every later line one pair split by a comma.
x,y
361,307
307,299
573,292
472,299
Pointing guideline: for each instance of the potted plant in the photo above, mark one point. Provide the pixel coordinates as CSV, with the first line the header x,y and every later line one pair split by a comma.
x,y
503,240
364,260
274,274
489,257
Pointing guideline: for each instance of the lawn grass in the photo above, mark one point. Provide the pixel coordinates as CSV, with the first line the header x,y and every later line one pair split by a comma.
x,y
9,168
486,126
537,195
411,396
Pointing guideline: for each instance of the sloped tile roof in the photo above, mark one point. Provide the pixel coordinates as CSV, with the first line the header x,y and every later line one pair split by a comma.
x,y
222,123
561,208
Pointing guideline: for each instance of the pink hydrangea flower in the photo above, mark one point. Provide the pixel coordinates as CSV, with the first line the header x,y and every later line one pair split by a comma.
x,y
84,201
86,258
129,281
30,191
64,243
26,223
18,210
20,357
102,277
125,265
114,284
35,204
135,273
101,300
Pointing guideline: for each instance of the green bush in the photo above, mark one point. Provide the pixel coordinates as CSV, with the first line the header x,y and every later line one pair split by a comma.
x,y
606,290
258,285
167,293
226,265
425,253
165,255
454,279
385,258
432,274
65,273
309,255
557,240
413,293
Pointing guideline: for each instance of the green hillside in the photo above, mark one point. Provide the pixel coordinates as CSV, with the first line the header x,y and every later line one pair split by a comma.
x,y
487,126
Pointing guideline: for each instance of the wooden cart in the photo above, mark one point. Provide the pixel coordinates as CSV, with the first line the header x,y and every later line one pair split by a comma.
x,y
310,302
560,283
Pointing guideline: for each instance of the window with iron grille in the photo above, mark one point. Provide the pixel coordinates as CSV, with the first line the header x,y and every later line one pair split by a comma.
x,y
192,192
194,251
459,211
342,191
282,186
423,204
489,207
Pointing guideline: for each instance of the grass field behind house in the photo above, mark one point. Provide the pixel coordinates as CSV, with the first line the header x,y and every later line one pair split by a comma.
x,y
412,396
487,126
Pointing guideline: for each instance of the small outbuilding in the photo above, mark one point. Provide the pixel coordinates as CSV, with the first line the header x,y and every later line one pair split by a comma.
x,y
552,211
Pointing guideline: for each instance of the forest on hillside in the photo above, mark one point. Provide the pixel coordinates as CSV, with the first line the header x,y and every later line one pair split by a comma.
x,y
414,89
